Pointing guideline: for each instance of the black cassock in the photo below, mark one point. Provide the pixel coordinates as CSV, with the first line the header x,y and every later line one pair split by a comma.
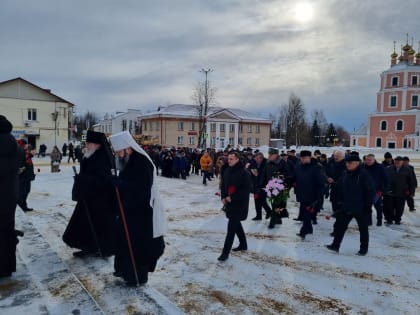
x,y
95,212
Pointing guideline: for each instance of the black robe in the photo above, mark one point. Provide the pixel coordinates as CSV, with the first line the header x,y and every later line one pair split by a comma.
x,y
10,157
95,196
135,184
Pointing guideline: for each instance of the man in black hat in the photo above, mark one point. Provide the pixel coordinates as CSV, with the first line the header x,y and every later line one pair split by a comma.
x,y
91,226
309,189
356,195
401,185
10,156
388,161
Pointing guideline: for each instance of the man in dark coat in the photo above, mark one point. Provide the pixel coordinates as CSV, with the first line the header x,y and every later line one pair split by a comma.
x,y
235,197
356,194
410,198
309,189
401,185
141,206
91,225
380,178
260,196
9,164
26,175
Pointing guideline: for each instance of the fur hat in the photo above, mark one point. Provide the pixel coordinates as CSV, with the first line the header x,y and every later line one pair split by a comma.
x,y
399,158
304,153
273,151
388,155
5,125
352,158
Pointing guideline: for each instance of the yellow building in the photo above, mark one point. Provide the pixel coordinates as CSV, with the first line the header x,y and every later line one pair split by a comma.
x,y
37,115
178,125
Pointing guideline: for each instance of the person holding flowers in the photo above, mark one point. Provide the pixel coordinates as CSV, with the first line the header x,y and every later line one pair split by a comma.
x,y
235,190
277,194
309,189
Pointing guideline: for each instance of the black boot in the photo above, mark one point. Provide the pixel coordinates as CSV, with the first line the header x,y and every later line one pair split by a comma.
x,y
223,257
257,218
332,248
240,248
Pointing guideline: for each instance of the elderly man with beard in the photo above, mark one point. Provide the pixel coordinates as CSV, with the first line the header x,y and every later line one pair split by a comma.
x,y
10,157
141,224
92,223
236,187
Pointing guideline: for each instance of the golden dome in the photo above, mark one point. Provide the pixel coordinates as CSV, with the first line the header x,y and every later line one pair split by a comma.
x,y
418,55
411,51
394,55
407,47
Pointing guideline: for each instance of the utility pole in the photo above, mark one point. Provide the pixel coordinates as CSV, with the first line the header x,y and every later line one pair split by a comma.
x,y
203,111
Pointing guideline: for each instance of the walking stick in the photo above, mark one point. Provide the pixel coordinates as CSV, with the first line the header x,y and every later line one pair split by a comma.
x,y
127,235
92,228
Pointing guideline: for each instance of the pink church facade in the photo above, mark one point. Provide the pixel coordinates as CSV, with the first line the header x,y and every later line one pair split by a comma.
x,y
396,122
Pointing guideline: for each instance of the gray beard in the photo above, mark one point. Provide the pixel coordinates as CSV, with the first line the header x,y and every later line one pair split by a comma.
x,y
88,153
122,162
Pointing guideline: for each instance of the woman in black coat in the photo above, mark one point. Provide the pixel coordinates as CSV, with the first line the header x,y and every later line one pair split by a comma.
x,y
9,164
235,192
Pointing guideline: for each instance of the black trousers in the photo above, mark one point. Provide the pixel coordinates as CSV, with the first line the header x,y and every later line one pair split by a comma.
x,y
393,208
24,190
343,220
410,202
261,202
307,218
234,227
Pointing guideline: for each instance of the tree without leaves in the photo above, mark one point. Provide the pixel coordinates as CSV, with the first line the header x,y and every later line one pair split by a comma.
x,y
315,133
331,134
295,121
84,122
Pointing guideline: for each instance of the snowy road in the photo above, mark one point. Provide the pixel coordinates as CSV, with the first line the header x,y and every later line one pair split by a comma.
x,y
279,274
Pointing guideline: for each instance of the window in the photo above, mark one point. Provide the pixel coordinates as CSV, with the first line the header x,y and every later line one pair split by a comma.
x,y
231,128
384,126
213,127
248,141
414,80
240,141
257,141
231,140
192,140
414,100
145,126
395,81
399,125
157,125
257,129
31,114
124,125
393,101
378,142
180,140
192,125
240,128
213,141
180,125
222,127
249,129
130,126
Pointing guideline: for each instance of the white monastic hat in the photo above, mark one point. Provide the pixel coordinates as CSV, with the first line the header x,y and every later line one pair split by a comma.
x,y
123,140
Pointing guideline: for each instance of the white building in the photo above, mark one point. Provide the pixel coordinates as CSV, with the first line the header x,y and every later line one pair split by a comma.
x,y
37,115
121,121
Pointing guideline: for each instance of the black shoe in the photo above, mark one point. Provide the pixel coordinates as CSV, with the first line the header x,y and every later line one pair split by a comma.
x,y
297,219
118,274
302,236
27,209
223,257
81,253
257,218
239,248
362,252
314,222
271,226
5,275
332,234
332,248
413,209
379,223
398,222
268,215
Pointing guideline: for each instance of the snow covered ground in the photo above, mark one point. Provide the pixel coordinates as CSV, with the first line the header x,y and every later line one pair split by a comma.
x,y
279,274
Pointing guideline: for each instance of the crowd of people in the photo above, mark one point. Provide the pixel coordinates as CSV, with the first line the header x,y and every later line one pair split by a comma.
x,y
121,214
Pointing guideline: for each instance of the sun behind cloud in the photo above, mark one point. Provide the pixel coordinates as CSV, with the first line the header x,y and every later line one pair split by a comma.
x,y
303,12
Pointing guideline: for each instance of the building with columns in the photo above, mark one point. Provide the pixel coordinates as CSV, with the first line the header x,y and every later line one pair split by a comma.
x,y
396,122
178,125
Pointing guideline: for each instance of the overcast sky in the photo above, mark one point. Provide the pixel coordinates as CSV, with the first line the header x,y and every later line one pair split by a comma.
x,y
107,55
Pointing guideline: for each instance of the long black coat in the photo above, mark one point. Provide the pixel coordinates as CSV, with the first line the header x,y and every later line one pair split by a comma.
x,y
136,180
309,182
96,197
401,182
237,185
9,163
